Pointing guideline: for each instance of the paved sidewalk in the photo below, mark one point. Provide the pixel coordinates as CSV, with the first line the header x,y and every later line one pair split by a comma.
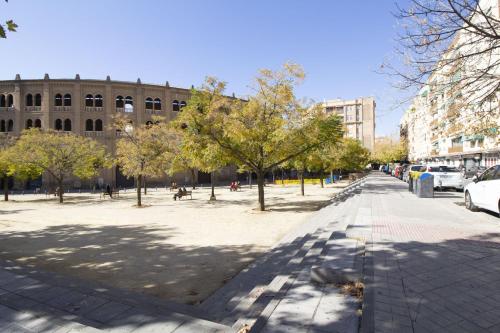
x,y
431,265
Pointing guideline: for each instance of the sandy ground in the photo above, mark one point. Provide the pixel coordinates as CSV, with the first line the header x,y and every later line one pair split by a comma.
x,y
177,250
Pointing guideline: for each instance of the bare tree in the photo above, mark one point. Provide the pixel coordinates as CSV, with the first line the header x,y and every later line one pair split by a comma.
x,y
452,47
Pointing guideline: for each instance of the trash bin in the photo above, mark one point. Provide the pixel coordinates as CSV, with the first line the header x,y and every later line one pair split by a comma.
x,y
410,185
415,184
425,186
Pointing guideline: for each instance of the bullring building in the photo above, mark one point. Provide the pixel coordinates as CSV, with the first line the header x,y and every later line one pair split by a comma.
x,y
86,107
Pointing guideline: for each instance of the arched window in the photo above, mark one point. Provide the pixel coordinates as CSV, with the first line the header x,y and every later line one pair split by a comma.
x,y
38,123
157,105
10,100
58,125
29,100
29,124
38,100
89,100
175,105
149,123
89,125
2,125
67,125
182,105
98,125
2,101
98,101
119,101
58,100
67,100
129,104
10,125
149,103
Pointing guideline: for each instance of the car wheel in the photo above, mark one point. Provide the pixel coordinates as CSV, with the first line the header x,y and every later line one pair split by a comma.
x,y
468,202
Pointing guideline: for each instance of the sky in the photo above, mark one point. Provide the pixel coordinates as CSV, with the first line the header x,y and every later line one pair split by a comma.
x,y
340,44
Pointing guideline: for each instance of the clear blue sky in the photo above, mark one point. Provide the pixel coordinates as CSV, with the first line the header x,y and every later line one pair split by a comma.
x,y
339,43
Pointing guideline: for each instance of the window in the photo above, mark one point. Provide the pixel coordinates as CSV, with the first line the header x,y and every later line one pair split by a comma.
x,y
98,101
175,105
2,101
89,100
149,103
89,125
67,125
2,125
149,123
58,100
129,104
67,100
119,101
29,100
98,125
38,123
10,125
182,105
488,174
497,175
38,100
157,104
29,124
58,125
10,101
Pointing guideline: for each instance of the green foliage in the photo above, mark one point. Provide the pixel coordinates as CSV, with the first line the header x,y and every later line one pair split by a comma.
x,y
387,151
59,154
9,25
349,155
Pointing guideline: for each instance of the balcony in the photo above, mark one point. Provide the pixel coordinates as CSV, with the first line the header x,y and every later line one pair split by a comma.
x,y
93,133
151,111
7,109
62,108
33,108
434,137
94,109
434,152
120,109
456,149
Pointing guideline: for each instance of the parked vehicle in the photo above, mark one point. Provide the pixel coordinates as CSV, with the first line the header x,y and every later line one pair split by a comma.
x,y
474,171
484,191
411,168
398,172
446,177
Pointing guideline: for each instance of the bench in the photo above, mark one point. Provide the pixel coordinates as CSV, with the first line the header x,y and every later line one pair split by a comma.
x,y
178,195
114,194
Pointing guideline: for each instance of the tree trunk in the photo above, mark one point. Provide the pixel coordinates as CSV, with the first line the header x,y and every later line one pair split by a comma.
x,y
321,179
138,186
5,188
212,182
145,186
61,191
301,175
282,177
193,184
260,186
331,176
250,179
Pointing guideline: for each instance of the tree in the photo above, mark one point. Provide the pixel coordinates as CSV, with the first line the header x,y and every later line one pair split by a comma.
x,y
59,154
9,25
144,150
7,167
263,132
388,150
452,47
349,155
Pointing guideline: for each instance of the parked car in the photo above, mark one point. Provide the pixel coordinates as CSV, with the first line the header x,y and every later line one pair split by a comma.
x,y
410,168
484,191
398,172
446,177
474,171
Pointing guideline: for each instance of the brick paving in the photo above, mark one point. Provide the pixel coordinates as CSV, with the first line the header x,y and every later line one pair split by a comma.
x,y
435,265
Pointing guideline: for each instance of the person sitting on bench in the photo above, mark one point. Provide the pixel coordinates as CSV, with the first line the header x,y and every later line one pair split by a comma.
x,y
179,194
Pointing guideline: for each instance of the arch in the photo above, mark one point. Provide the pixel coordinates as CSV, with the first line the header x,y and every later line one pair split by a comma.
x,y
157,104
129,104
98,101
149,103
38,100
175,105
98,125
10,100
10,125
29,100
67,100
67,125
58,125
89,100
2,101
38,123
149,123
29,124
2,125
119,101
58,100
89,125
182,104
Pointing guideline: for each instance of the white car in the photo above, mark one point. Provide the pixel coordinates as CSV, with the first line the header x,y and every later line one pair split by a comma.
x,y
446,177
484,191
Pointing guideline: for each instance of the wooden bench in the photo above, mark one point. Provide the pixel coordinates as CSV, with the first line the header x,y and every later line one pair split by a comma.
x,y
114,194
177,195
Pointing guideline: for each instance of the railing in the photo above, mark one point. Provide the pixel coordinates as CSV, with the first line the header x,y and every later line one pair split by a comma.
x,y
434,152
94,108
151,111
457,149
93,133
7,109
120,109
62,108
33,108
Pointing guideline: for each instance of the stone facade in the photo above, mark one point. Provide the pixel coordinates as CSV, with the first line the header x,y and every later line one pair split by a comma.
x,y
86,107
359,118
